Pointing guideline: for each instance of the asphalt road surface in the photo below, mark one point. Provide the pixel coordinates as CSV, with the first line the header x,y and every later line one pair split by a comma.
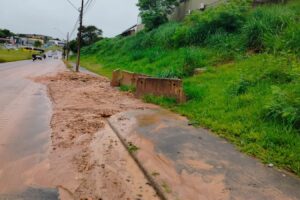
x,y
25,113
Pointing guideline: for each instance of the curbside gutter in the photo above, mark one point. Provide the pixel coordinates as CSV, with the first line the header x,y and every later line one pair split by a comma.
x,y
158,189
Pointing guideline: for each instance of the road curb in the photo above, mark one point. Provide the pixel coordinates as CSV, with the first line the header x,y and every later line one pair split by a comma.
x,y
158,189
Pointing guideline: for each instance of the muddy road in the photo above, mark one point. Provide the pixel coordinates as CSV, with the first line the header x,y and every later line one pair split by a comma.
x,y
55,142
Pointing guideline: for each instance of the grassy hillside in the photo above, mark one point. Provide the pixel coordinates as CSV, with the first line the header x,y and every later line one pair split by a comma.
x,y
14,55
250,92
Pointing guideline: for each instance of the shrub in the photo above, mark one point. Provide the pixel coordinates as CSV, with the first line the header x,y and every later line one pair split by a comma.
x,y
226,18
278,76
283,107
239,87
225,42
291,38
169,73
194,90
265,22
154,54
163,36
136,55
192,58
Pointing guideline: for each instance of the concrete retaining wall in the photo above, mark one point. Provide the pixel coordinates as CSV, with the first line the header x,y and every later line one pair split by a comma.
x,y
146,85
160,87
120,77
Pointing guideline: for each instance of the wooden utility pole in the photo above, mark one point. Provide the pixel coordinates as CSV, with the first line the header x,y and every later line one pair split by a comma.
x,y
79,36
68,46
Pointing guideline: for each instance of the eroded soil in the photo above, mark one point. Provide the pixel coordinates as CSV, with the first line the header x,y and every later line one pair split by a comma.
x,y
87,158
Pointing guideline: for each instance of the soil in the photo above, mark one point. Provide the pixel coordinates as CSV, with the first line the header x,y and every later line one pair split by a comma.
x,y
87,158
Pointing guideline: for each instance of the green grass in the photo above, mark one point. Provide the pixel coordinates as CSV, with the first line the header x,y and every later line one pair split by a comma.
x,y
127,88
132,148
250,92
233,101
14,55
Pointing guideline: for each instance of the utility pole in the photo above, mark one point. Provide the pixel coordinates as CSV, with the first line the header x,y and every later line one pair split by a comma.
x,y
79,36
68,46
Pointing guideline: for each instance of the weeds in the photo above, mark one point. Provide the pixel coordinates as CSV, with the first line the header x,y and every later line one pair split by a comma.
x,y
132,148
127,88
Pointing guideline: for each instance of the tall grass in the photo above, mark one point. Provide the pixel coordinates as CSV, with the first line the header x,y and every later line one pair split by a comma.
x,y
249,93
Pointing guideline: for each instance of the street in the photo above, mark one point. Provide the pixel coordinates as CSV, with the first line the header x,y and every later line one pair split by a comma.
x,y
150,100
25,113
63,149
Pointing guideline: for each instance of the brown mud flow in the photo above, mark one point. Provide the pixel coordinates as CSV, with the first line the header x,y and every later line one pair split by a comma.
x,y
85,153
191,163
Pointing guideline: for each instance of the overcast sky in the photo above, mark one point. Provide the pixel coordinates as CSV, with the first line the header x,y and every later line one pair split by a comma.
x,y
57,17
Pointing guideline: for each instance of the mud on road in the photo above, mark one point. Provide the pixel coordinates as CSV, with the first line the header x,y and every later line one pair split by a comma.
x,y
86,156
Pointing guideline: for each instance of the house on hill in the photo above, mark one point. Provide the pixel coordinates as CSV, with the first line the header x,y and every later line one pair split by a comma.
x,y
187,6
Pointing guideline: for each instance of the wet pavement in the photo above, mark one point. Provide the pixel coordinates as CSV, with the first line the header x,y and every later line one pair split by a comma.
x,y
192,163
25,114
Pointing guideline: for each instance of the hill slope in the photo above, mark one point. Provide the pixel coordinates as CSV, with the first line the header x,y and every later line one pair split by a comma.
x,y
250,92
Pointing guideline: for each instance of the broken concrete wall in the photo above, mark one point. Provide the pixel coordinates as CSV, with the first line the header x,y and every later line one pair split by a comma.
x,y
146,85
160,87
125,78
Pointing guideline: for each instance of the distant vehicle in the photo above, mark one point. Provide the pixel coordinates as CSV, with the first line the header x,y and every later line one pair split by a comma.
x,y
10,46
36,57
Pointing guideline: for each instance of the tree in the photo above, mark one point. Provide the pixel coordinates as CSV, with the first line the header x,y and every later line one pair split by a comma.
x,y
4,33
73,45
37,43
89,35
155,12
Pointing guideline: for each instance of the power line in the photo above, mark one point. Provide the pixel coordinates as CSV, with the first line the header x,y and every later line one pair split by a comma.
x,y
77,22
89,5
70,2
74,29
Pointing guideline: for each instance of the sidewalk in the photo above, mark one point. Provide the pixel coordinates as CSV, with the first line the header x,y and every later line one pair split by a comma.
x,y
190,163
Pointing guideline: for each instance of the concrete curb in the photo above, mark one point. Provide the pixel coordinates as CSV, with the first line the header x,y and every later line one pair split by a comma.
x,y
158,189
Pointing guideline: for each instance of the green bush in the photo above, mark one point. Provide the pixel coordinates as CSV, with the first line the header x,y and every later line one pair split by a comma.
x,y
194,91
163,36
192,58
226,18
265,24
283,107
228,43
239,87
278,76
291,38
169,73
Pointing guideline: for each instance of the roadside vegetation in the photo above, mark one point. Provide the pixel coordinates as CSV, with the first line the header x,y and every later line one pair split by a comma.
x,y
14,55
250,91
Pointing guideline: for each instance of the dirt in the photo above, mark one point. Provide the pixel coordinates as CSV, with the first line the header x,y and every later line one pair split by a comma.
x,y
87,158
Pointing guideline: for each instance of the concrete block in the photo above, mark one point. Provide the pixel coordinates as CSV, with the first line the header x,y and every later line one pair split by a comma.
x,y
160,87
